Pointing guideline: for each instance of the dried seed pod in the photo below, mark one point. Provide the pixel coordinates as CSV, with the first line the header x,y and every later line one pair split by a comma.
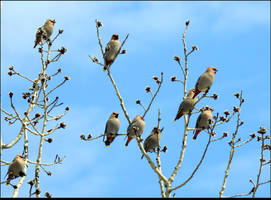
x,y
63,50
237,95
95,59
236,109
173,78
123,51
215,96
82,137
177,58
48,195
164,149
253,135
222,118
50,140
62,125
99,24
10,94
89,136
148,89
38,191
226,112
37,115
262,130
138,101
60,31
195,48
31,182
213,133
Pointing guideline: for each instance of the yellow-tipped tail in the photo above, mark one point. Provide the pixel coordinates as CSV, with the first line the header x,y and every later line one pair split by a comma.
x,y
174,120
104,70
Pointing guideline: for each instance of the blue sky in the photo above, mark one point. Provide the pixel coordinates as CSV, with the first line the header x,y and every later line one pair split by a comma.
x,y
232,36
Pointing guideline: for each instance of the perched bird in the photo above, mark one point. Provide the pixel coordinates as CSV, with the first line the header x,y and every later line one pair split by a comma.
x,y
136,128
205,81
111,128
203,121
111,50
152,141
187,105
16,168
45,31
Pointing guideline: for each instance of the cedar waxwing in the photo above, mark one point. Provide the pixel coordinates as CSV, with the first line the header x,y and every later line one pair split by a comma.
x,y
203,121
187,105
16,168
111,50
46,31
111,128
205,81
136,128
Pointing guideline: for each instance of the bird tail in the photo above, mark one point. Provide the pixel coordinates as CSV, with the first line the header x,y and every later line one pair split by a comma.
x,y
128,140
109,140
196,93
36,43
178,116
10,176
196,134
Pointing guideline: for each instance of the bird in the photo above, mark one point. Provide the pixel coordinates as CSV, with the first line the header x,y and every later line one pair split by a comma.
x,y
111,51
45,31
205,81
136,128
203,121
153,140
16,168
111,128
187,104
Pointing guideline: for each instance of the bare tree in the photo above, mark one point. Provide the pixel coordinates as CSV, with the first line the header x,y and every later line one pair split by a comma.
x,y
35,124
166,183
39,98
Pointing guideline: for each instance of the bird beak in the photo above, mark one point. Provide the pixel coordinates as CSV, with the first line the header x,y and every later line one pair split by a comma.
x,y
117,115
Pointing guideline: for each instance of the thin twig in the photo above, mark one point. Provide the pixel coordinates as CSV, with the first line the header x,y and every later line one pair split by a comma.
x,y
120,98
56,87
232,148
247,141
202,157
198,165
26,78
260,168
155,94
